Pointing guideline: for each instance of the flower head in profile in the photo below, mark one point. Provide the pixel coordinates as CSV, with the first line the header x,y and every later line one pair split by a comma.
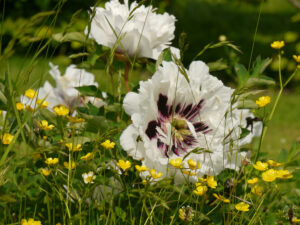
x,y
42,103
261,166
155,175
89,177
221,198
269,175
71,165
297,58
254,180
186,213
177,163
210,180
132,31
124,165
73,119
61,110
141,168
51,161
7,138
273,163
258,190
242,206
45,171
284,174
44,125
200,190
87,157
171,117
277,44
108,144
74,148
263,101
30,221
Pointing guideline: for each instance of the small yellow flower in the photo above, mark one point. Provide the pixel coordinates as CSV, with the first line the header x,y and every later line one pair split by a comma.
x,y
277,44
51,161
193,165
29,108
61,110
284,174
67,165
261,166
200,190
144,182
254,180
242,206
269,176
258,190
263,101
42,103
87,157
177,163
108,144
189,173
155,175
297,58
19,106
72,148
273,163
211,182
186,213
44,125
75,119
298,66
221,198
141,168
45,138
124,165
30,93
30,221
45,171
295,220
7,138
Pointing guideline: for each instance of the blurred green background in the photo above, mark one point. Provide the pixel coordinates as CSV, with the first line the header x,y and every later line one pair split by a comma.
x,y
27,46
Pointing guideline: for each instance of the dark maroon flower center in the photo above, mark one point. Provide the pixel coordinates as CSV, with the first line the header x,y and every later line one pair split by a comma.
x,y
171,128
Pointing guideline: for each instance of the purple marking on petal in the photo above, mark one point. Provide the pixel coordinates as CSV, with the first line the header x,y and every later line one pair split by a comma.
x,y
178,107
186,110
170,110
151,129
162,105
160,145
175,150
200,126
195,110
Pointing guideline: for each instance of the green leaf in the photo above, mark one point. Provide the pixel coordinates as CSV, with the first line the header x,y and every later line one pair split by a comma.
x,y
242,73
217,65
165,55
259,66
90,90
283,156
247,104
77,55
263,81
244,133
68,37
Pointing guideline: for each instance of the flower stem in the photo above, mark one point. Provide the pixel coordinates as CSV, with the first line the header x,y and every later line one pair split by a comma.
x,y
126,76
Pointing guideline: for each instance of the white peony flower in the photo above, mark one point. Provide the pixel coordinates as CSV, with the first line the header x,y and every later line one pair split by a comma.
x,y
171,117
65,92
89,177
145,34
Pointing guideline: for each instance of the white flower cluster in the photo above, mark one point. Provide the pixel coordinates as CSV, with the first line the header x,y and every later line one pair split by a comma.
x,y
172,117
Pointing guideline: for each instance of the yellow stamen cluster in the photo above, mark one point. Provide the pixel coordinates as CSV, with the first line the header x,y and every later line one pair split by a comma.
x,y
263,101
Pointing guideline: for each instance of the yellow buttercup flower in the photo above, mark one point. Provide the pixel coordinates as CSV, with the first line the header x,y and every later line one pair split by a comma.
x,y
297,58
75,119
189,173
258,190
87,157
273,163
30,221
61,110
72,148
67,165
30,93
200,190
177,163
46,172
298,66
269,176
108,144
155,175
263,101
19,106
211,182
141,168
242,206
261,166
7,138
44,125
51,161
295,220
42,103
193,165
277,44
221,198
284,174
254,180
124,165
